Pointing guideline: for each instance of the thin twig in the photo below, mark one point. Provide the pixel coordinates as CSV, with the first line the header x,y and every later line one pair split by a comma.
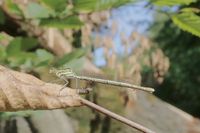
x,y
116,116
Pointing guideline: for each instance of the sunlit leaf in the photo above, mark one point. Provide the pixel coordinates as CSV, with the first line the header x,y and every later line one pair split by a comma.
x,y
97,5
68,57
57,5
43,57
76,64
69,22
172,2
190,9
13,8
35,10
188,21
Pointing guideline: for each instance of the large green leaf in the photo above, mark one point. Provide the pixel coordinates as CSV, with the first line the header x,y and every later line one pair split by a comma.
x,y
96,5
172,2
57,5
35,10
69,22
43,58
13,8
20,58
76,64
16,55
21,44
71,56
188,21
28,43
14,46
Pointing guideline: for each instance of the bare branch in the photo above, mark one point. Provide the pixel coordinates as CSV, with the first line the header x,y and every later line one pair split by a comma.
x,y
115,116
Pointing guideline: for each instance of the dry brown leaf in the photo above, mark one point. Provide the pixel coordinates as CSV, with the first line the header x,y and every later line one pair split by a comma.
x,y
20,91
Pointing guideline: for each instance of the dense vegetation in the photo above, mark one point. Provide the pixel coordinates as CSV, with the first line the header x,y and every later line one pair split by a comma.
x,y
26,35
181,85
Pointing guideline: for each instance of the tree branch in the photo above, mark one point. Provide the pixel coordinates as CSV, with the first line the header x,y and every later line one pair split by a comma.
x,y
116,116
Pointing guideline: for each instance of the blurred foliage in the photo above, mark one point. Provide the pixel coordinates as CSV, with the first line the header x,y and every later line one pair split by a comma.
x,y
188,20
185,18
69,22
172,2
26,53
97,5
181,84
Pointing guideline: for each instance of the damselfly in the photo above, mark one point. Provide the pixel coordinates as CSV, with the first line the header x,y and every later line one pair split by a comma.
x,y
67,73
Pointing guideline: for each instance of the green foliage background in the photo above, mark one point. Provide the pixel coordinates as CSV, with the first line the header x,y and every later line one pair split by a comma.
x,y
181,84
177,33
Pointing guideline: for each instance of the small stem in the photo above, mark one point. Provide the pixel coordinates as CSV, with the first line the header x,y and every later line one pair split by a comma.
x,y
116,116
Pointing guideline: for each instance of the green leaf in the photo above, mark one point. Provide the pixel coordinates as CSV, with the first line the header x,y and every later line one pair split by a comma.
x,y
20,58
29,43
15,54
86,5
72,22
2,53
14,46
57,5
13,8
76,64
190,9
35,10
172,2
71,56
97,5
43,57
19,44
2,17
188,21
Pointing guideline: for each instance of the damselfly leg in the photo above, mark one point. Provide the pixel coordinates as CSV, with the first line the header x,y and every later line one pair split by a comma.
x,y
79,91
65,85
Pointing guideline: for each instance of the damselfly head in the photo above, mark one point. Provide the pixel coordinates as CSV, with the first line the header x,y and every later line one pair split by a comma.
x,y
63,72
52,70
69,70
